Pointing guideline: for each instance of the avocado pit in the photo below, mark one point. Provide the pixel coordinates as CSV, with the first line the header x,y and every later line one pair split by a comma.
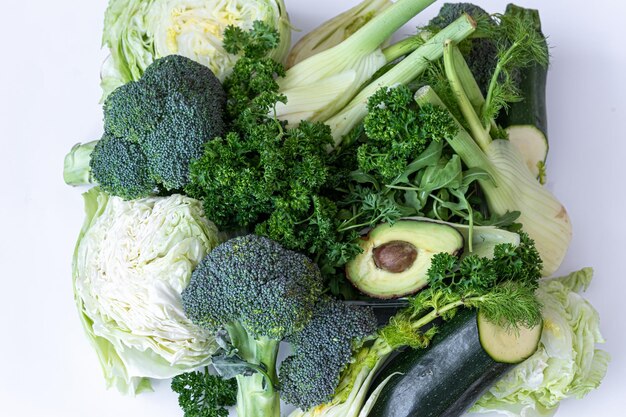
x,y
396,256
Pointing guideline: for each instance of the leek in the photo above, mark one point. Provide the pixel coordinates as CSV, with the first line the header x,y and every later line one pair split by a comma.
x,y
335,30
335,75
404,72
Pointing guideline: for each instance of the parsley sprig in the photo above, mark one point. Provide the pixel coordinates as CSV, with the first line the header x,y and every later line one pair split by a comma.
x,y
201,394
502,287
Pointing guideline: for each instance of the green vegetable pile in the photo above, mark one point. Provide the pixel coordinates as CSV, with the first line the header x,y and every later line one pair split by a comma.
x,y
378,207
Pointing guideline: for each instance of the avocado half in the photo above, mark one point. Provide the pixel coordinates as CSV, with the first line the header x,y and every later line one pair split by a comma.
x,y
396,257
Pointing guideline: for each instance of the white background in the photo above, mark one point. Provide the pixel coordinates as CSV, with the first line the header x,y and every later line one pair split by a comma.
x,y
49,89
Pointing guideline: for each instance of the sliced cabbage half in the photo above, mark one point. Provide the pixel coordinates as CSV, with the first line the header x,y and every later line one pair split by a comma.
x,y
139,31
131,263
567,363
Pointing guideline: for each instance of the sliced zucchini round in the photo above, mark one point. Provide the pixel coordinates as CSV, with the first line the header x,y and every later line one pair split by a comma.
x,y
532,144
507,345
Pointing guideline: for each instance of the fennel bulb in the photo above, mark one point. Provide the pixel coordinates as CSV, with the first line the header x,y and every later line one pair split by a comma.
x,y
335,30
512,187
322,84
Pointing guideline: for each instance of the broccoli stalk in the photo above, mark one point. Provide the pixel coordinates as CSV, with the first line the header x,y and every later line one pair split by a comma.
x,y
257,393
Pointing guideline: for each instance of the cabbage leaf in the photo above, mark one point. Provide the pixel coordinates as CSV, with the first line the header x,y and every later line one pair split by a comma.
x,y
567,363
139,31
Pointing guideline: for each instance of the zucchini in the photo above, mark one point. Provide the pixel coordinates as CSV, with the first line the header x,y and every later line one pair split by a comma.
x,y
526,121
449,376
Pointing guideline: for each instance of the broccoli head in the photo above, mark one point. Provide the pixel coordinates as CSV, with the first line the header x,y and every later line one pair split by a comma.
x,y
260,293
449,12
322,350
253,280
156,126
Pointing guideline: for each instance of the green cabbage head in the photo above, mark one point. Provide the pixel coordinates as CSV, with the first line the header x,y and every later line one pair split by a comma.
x,y
139,31
131,263
567,363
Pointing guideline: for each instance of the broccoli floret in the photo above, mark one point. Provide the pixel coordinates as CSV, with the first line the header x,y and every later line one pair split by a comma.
x,y
122,166
162,122
322,350
449,12
480,51
260,293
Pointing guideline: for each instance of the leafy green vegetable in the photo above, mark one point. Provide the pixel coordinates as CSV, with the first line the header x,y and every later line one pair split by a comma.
x,y
201,394
407,168
132,261
394,133
567,363
138,32
262,174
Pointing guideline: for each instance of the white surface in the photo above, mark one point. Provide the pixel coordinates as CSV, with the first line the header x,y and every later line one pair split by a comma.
x,y
49,101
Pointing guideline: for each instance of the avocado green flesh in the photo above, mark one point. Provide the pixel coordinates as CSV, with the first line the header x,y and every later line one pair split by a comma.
x,y
427,238
484,238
